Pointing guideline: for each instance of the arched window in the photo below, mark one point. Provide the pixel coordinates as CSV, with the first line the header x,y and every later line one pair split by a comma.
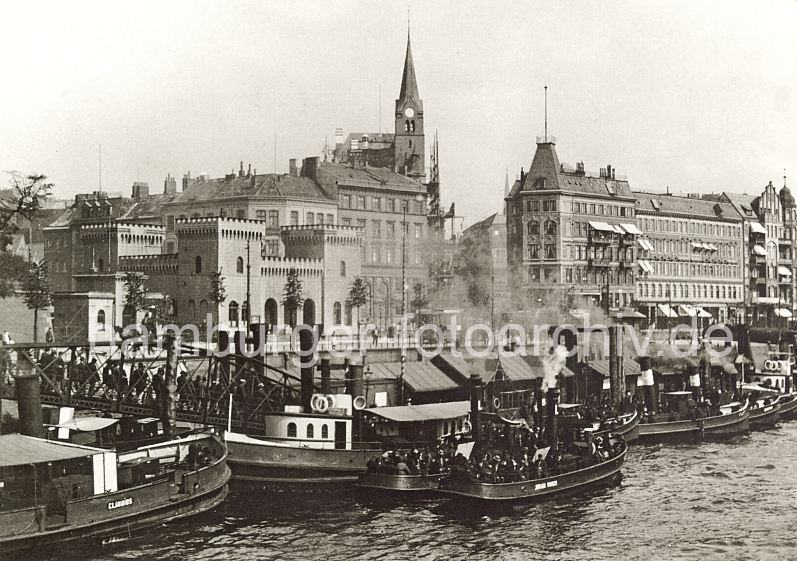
x,y
310,431
233,312
534,228
239,265
101,320
412,126
271,311
291,430
324,432
198,265
406,126
245,312
203,310
348,313
343,268
550,228
191,310
336,313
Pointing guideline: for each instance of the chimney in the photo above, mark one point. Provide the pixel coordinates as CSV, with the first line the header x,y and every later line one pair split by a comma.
x,y
169,185
307,344
241,171
249,171
608,171
309,167
647,382
475,407
186,180
522,175
140,190
29,400
580,169
292,171
551,428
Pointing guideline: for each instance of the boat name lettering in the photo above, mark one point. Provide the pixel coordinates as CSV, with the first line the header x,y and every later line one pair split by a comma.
x,y
768,408
539,486
120,503
553,483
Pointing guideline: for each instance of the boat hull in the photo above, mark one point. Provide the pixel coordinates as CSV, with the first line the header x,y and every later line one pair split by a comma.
x,y
788,406
399,484
93,519
628,430
267,464
719,426
762,418
535,489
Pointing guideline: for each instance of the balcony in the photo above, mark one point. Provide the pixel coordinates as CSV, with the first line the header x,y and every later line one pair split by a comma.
x,y
600,239
599,262
784,241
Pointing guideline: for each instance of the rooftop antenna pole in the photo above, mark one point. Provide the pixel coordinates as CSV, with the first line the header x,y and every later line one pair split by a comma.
x,y
546,113
100,158
380,109
275,153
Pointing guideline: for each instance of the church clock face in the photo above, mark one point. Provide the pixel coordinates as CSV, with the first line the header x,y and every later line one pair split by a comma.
x,y
409,112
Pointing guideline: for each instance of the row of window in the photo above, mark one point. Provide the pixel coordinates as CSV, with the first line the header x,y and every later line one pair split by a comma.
x,y
678,290
390,229
550,227
548,205
601,209
585,275
389,254
688,226
700,270
381,204
270,217
310,433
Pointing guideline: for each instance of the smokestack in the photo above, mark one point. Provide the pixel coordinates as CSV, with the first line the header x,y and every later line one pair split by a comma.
x,y
309,167
647,383
249,171
223,347
326,375
292,170
241,170
307,348
616,375
475,406
29,399
355,378
551,426
186,180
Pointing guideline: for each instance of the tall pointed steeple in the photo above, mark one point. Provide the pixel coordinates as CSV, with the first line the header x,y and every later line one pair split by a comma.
x,y
410,154
409,85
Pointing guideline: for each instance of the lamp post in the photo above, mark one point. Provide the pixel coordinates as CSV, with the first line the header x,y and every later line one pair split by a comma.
x,y
418,198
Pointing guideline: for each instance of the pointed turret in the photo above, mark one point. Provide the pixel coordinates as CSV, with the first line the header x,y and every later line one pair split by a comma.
x,y
410,156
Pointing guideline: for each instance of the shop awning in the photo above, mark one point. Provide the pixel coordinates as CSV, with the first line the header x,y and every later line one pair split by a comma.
x,y
757,228
667,311
701,313
783,312
760,250
601,226
712,247
632,229
784,271
646,245
646,267
687,310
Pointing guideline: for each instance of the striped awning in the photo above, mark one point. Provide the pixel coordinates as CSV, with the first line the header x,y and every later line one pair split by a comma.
x,y
784,271
667,311
760,250
757,228
601,226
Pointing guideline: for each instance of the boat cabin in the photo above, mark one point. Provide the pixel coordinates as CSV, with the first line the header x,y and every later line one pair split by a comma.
x,y
418,423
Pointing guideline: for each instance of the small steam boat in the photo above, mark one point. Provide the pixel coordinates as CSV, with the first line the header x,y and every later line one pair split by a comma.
x,y
788,406
625,426
667,427
54,492
513,473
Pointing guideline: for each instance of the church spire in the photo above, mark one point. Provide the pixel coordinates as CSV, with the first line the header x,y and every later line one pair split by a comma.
x,y
409,85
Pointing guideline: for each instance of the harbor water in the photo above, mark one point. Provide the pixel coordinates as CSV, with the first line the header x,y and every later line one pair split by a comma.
x,y
731,500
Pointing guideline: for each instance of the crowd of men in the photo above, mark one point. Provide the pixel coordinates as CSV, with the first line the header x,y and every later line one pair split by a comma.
x,y
431,460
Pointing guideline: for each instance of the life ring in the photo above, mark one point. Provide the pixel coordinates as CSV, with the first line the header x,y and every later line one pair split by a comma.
x,y
792,360
466,426
330,399
496,403
770,365
359,403
323,405
317,401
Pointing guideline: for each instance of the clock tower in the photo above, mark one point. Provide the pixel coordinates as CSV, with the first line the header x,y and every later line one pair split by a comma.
x,y
409,142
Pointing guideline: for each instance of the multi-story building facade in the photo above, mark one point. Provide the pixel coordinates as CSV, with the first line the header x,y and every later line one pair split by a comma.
x,y
691,259
570,234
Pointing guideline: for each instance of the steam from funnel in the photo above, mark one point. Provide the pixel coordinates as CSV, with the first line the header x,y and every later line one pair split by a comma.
x,y
552,365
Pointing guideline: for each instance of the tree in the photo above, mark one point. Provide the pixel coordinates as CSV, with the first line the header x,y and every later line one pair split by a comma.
x,y
28,194
358,297
218,294
36,292
419,298
292,296
135,293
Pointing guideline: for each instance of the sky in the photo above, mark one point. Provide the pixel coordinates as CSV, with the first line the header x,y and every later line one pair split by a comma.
x,y
690,96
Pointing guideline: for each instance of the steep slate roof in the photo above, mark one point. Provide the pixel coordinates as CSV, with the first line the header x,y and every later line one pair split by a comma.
x,y
331,174
662,203
148,208
480,227
740,201
546,173
409,84
267,186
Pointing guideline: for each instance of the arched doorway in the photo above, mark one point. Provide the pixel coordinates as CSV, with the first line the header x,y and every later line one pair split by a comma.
x,y
270,315
233,313
308,312
336,313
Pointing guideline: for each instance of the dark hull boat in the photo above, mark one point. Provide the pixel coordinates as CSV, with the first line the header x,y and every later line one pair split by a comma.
x,y
788,406
399,484
629,429
728,424
765,416
461,487
81,493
